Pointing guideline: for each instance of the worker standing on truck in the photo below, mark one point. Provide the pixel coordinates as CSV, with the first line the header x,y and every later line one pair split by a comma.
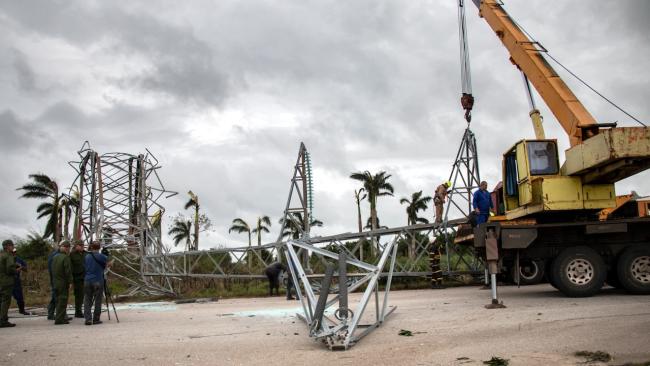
x,y
439,199
482,203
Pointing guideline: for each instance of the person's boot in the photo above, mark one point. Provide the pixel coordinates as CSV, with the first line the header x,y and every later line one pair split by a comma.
x,y
21,309
7,325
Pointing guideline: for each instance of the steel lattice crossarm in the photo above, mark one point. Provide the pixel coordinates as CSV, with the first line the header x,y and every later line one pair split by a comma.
x,y
232,262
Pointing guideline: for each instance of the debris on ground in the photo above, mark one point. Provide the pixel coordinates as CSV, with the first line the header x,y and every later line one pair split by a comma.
x,y
496,361
598,356
408,333
202,300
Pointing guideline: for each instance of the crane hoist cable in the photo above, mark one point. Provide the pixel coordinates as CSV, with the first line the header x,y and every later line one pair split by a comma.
x,y
466,100
544,50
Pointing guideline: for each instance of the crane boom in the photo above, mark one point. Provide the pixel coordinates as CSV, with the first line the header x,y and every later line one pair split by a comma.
x,y
600,155
526,54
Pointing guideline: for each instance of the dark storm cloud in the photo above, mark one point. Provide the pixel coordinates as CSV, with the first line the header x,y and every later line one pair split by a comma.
x,y
182,66
368,85
24,74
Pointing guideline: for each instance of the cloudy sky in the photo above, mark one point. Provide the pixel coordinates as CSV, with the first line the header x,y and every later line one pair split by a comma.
x,y
223,92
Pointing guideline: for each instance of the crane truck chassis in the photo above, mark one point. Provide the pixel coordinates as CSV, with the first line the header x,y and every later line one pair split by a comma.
x,y
577,258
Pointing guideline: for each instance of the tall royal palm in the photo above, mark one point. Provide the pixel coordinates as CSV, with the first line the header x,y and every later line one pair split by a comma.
x,y
375,186
262,226
240,226
194,202
415,204
182,230
43,187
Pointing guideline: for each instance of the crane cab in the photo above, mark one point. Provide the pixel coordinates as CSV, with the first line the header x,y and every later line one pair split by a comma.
x,y
533,183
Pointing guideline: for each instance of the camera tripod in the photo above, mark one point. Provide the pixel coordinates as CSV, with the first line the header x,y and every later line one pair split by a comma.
x,y
109,298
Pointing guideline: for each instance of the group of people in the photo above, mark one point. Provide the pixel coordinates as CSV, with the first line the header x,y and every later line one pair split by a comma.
x,y
481,202
82,270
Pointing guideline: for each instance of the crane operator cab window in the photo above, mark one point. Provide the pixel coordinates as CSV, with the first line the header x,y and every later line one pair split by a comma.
x,y
542,157
524,162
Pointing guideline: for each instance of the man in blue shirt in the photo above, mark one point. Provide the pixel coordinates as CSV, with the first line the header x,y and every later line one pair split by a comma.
x,y
482,203
95,263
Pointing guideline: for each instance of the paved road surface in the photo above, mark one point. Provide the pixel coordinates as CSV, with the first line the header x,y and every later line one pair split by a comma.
x,y
538,327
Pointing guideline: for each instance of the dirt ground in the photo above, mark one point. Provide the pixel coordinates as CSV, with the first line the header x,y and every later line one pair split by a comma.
x,y
451,326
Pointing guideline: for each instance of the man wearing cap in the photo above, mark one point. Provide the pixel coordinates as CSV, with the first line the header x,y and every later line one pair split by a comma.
x,y
8,269
78,272
18,287
96,263
62,279
439,199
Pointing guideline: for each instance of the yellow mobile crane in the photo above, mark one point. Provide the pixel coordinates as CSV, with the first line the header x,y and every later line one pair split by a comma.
x,y
549,216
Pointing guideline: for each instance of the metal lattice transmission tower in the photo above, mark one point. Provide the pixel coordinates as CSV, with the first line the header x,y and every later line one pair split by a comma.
x,y
119,206
465,178
297,216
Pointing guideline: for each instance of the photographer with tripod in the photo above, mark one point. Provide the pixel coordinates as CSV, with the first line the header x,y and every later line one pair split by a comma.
x,y
95,263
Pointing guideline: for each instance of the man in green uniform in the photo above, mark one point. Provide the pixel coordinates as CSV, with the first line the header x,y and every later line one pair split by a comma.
x,y
78,273
62,278
8,271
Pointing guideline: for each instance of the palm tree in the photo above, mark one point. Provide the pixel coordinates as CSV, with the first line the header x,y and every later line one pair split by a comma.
x,y
375,186
43,187
293,229
369,224
194,202
240,226
68,205
415,204
359,196
182,230
263,224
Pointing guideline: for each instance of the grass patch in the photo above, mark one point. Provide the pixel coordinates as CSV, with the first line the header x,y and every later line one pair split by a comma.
x,y
598,356
496,361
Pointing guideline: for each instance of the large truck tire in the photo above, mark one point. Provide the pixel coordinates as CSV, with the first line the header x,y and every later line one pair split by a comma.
x,y
579,272
531,272
633,270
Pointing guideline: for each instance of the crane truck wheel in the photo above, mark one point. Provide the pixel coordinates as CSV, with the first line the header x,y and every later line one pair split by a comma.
x,y
578,272
633,269
531,272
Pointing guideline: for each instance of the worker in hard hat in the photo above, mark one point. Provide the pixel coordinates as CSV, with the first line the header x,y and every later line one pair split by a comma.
x,y
439,199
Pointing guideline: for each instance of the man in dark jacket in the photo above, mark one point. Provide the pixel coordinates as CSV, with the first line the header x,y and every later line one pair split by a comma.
x,y
52,304
62,278
8,271
78,272
273,272
18,287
